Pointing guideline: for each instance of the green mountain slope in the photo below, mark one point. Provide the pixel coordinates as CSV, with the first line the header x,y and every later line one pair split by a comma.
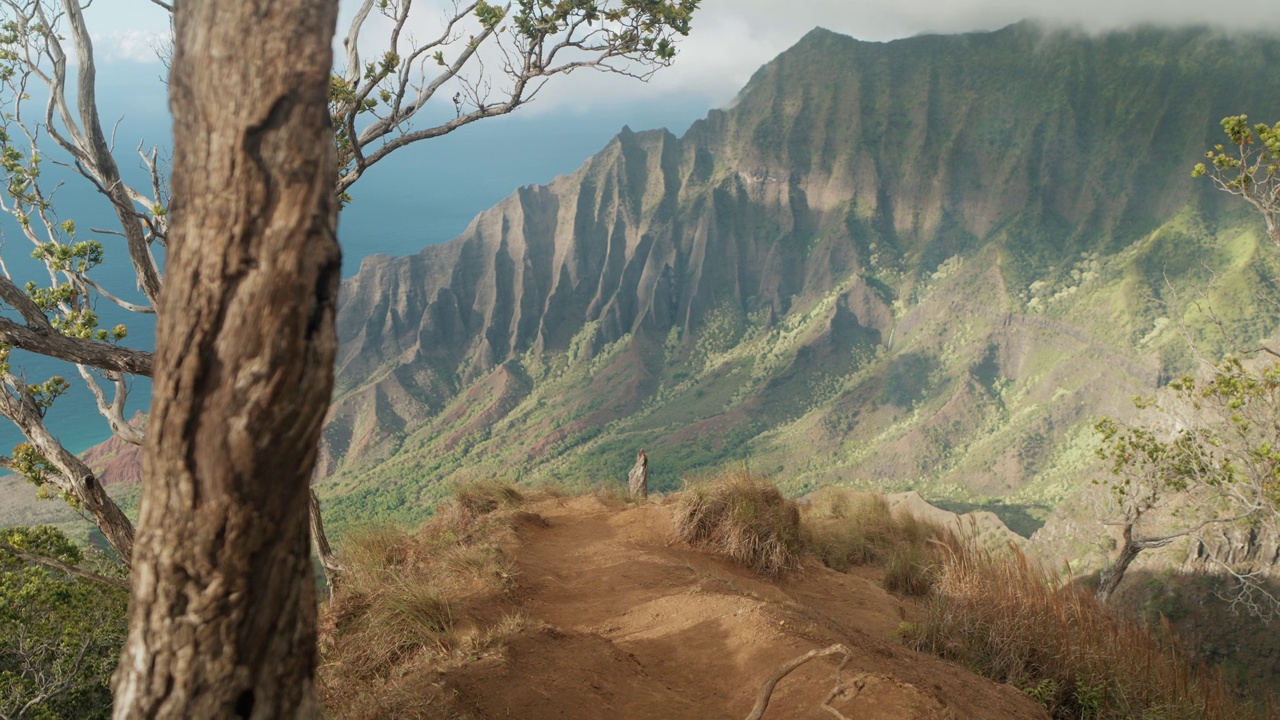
x,y
920,264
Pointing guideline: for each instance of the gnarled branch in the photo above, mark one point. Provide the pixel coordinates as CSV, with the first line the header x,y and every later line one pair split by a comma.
x,y
77,350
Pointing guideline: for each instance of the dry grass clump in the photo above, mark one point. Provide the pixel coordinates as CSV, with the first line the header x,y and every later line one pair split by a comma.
x,y
846,529
742,517
409,604
1004,617
482,497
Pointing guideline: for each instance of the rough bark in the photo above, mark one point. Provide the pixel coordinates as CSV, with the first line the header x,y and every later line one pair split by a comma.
x,y
638,478
222,617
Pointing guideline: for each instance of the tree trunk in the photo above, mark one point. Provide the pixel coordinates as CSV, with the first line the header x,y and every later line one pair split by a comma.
x,y
1111,576
222,617
638,478
328,561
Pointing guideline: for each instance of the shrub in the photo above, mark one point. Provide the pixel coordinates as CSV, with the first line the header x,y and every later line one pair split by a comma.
x,y
744,518
909,570
60,636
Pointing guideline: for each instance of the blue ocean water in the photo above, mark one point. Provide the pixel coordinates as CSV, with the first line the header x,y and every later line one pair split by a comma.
x,y
424,194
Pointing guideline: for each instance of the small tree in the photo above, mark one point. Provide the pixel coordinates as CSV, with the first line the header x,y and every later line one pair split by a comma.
x,y
1207,453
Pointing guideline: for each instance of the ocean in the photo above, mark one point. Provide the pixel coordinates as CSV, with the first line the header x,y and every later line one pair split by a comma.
x,y
424,194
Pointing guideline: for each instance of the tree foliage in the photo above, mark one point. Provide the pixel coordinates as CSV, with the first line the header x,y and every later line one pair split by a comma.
x,y
1249,166
1221,434
492,57
1204,452
60,635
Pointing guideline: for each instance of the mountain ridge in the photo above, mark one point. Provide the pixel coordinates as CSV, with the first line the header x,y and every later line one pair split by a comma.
x,y
921,264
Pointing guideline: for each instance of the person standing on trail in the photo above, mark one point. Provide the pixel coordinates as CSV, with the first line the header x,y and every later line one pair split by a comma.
x,y
638,478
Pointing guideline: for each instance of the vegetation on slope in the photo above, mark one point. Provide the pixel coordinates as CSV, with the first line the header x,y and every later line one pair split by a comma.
x,y
1003,616
1000,614
935,288
412,609
60,635
847,529
406,606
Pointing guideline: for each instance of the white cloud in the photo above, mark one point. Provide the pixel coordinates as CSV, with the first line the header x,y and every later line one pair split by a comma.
x,y
732,38
127,30
129,45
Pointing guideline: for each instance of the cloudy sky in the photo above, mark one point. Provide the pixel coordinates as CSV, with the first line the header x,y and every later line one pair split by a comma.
x,y
731,38
575,116
429,192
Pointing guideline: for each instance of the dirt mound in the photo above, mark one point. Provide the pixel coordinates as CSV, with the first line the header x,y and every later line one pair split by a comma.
x,y
627,625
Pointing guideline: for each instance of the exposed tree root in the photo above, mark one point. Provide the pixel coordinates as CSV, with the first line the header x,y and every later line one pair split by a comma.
x,y
841,689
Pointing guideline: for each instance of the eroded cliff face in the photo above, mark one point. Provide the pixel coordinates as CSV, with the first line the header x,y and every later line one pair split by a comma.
x,y
648,236
921,263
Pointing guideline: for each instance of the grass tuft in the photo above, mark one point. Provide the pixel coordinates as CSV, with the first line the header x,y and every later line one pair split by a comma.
x,y
909,570
411,604
846,529
1003,616
484,497
743,517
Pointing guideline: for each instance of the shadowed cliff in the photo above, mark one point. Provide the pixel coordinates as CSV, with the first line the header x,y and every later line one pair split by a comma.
x,y
924,263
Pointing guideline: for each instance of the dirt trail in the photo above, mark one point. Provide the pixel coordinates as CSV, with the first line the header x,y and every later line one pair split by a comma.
x,y
638,628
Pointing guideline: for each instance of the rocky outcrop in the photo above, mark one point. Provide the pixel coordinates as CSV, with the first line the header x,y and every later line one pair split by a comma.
x,y
1243,549
116,461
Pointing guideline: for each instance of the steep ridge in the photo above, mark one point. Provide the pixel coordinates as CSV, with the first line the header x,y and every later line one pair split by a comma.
x,y
918,264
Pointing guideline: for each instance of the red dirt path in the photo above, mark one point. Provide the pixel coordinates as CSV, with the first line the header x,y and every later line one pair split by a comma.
x,y
639,628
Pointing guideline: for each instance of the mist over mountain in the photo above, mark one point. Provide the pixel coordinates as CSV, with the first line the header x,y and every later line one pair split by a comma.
x,y
923,264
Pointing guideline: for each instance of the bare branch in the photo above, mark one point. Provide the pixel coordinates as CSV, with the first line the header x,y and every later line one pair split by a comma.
x,y
94,154
1249,593
77,350
113,411
329,562
131,307
534,42
71,476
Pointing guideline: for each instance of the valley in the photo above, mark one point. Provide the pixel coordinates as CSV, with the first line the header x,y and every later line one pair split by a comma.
x,y
926,265
945,361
